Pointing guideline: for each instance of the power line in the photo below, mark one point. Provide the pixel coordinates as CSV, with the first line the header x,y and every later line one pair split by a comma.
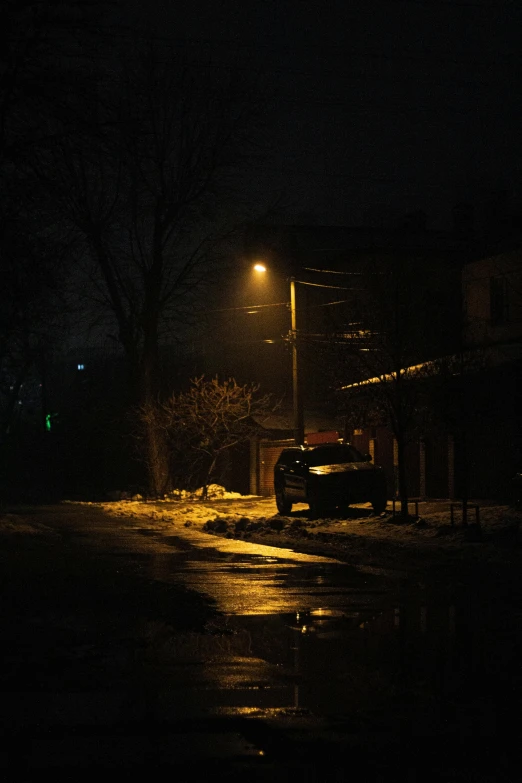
x,y
328,304
322,285
330,271
249,307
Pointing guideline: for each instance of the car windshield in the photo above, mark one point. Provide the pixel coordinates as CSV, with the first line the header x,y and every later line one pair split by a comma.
x,y
334,455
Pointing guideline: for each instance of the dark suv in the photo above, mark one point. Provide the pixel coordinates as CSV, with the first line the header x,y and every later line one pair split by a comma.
x,y
326,477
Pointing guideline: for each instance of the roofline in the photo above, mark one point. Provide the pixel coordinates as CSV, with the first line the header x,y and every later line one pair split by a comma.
x,y
452,362
413,369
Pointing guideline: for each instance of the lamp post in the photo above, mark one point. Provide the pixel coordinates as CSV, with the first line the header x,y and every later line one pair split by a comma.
x,y
296,386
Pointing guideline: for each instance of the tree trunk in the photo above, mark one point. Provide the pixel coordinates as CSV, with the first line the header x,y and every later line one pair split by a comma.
x,y
208,477
403,480
157,460
157,454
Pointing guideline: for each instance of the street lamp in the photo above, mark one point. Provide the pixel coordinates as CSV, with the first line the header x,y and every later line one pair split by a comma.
x,y
296,386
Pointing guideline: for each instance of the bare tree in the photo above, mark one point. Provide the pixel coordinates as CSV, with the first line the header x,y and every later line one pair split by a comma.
x,y
143,183
399,399
206,421
382,354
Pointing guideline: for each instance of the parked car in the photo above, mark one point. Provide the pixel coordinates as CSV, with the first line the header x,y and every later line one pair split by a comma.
x,y
327,476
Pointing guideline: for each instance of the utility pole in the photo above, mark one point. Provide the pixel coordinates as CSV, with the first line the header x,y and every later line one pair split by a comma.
x,y
298,401
296,388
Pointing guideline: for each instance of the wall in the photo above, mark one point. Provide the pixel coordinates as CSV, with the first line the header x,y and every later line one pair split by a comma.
x,y
484,321
263,457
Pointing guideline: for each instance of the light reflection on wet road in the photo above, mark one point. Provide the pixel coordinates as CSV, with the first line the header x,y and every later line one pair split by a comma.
x,y
299,631
362,652
252,579
358,641
305,615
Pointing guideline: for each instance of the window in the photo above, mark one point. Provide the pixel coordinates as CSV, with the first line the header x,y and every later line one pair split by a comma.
x,y
498,301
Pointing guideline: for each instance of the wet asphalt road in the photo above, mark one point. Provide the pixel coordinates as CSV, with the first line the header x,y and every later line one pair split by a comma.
x,y
129,647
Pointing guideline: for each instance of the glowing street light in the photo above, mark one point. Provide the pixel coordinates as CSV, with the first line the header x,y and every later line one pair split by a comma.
x,y
296,388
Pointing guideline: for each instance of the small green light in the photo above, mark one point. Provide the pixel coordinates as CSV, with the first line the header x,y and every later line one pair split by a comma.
x,y
48,422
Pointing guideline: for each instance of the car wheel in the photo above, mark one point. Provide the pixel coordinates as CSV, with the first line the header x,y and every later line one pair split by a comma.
x,y
284,506
379,504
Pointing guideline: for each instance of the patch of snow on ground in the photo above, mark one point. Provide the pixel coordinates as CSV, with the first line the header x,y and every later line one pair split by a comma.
x,y
194,511
250,517
214,492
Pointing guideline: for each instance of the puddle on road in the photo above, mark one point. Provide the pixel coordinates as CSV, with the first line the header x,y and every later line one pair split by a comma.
x,y
308,634
429,665
245,578
349,642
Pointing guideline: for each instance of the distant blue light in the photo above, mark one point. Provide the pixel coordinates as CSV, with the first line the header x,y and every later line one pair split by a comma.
x,y
81,366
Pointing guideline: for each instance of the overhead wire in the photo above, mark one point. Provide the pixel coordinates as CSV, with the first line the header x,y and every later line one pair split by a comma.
x,y
323,285
248,307
330,271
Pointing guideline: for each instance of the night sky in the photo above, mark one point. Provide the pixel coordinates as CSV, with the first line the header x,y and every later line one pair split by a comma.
x,y
379,108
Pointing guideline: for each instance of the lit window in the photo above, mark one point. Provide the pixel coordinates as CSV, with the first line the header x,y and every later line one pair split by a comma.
x,y
81,366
